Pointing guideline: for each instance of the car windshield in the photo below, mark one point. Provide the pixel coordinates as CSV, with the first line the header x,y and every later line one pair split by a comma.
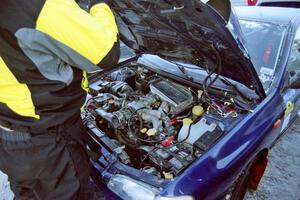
x,y
263,41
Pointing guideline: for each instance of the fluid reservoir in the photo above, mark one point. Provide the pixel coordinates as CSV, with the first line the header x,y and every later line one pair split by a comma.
x,y
197,112
190,132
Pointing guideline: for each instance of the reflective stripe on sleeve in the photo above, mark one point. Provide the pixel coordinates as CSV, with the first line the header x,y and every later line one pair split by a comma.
x,y
14,94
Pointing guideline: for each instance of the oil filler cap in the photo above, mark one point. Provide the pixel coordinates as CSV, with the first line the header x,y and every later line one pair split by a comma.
x,y
198,111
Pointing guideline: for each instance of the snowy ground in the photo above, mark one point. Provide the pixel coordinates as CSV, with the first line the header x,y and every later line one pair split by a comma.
x,y
5,192
281,181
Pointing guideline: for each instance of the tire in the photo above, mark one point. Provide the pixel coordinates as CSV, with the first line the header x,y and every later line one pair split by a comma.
x,y
241,185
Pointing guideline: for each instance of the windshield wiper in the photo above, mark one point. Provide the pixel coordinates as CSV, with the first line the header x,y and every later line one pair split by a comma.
x,y
183,71
183,68
239,92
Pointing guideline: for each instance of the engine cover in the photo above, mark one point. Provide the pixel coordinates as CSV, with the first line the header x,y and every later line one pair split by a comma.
x,y
179,97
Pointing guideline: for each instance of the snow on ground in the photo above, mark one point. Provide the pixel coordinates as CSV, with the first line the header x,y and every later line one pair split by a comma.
x,y
5,192
281,180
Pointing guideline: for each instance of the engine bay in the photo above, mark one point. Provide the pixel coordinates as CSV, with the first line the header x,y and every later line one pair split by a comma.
x,y
161,126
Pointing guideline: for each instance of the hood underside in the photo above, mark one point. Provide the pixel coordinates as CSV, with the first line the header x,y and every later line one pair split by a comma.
x,y
188,31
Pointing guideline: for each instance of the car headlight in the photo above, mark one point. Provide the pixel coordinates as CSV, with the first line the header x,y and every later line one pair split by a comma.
x,y
131,189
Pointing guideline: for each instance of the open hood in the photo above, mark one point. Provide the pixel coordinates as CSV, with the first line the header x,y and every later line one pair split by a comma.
x,y
188,31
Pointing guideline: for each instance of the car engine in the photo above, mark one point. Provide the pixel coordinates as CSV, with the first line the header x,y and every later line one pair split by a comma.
x,y
159,124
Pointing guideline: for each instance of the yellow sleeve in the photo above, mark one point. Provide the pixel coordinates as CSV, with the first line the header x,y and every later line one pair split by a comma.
x,y
91,35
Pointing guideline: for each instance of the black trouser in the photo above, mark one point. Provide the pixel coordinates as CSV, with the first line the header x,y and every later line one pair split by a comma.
x,y
46,166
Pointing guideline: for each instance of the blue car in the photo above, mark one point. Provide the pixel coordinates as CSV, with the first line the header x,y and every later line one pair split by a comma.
x,y
200,96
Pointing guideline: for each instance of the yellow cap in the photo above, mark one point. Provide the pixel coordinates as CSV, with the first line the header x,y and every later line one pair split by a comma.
x,y
198,110
144,130
151,132
187,121
168,175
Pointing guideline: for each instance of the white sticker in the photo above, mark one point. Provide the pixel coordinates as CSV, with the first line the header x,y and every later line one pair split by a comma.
x,y
267,71
266,74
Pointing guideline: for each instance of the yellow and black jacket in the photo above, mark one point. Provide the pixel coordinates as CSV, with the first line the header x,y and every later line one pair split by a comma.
x,y
46,49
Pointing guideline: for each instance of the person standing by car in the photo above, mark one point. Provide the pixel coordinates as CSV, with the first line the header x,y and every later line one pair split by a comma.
x,y
46,49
